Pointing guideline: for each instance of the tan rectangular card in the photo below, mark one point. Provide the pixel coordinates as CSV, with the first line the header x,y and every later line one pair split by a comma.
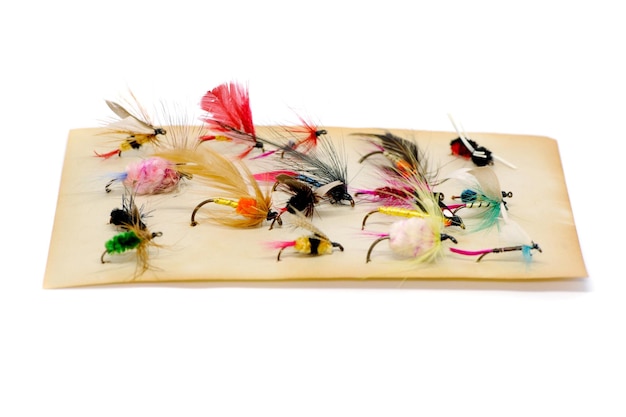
x,y
207,252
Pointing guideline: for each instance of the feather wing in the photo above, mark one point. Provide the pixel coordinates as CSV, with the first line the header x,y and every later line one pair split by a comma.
x,y
131,125
230,179
228,108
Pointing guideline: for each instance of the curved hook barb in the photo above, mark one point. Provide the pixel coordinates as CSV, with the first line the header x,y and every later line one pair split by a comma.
x,y
364,157
366,216
195,210
376,242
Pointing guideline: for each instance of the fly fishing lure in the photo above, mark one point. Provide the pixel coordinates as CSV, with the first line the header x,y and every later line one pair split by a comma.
x,y
468,149
149,176
511,231
302,197
420,236
234,182
135,236
407,168
482,191
403,160
311,134
416,237
317,243
305,138
325,169
525,249
405,156
136,126
229,116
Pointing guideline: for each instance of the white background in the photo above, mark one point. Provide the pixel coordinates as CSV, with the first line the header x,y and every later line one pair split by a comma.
x,y
548,68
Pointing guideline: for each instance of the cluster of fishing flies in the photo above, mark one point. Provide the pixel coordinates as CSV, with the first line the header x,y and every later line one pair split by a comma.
x,y
307,167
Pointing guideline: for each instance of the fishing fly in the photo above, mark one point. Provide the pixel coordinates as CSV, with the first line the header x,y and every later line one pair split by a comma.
x,y
309,134
406,168
233,181
316,243
229,116
482,191
134,235
325,169
525,249
302,197
468,149
303,137
137,127
153,175
511,232
403,160
420,236
404,155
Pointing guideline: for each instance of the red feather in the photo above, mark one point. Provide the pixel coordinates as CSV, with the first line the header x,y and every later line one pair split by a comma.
x,y
108,154
312,133
228,108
